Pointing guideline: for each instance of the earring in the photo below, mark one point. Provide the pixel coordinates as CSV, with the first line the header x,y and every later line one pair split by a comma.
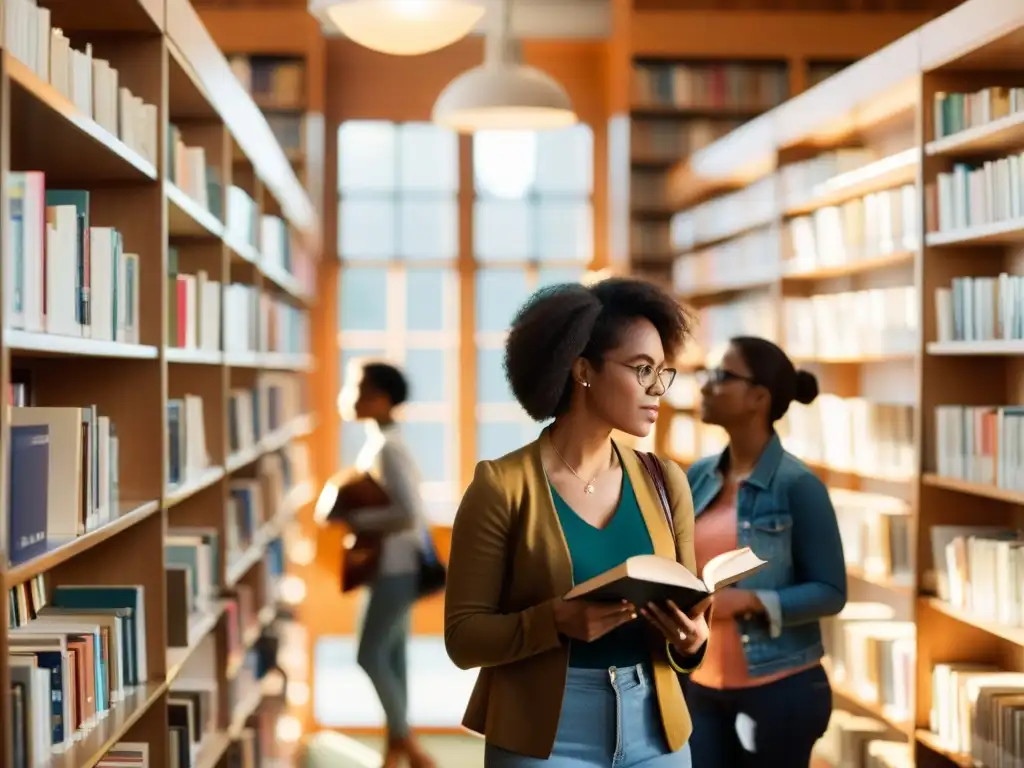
x,y
585,383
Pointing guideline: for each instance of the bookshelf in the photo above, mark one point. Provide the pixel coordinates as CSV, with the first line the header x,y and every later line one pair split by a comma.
x,y
154,449
676,85
873,227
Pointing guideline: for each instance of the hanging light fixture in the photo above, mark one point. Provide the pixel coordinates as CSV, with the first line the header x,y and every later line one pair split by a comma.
x,y
503,93
404,27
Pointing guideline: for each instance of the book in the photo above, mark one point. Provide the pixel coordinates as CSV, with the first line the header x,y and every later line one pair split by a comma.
x,y
646,579
349,490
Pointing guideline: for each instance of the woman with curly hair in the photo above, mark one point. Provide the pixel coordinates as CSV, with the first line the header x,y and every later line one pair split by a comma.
x,y
576,684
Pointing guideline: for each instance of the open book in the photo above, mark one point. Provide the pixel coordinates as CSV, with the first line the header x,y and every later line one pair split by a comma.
x,y
651,579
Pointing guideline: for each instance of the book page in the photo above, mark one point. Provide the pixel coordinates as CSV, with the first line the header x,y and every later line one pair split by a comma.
x,y
730,567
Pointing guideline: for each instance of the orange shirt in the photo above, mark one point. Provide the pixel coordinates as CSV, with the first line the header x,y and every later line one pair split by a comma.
x,y
724,665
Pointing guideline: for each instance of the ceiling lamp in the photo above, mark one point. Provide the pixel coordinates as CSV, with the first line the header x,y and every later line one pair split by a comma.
x,y
503,93
405,27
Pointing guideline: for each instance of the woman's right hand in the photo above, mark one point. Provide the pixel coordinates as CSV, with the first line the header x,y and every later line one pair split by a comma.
x,y
587,621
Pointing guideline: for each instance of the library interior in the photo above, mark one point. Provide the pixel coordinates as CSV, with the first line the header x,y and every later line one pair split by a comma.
x,y
370,179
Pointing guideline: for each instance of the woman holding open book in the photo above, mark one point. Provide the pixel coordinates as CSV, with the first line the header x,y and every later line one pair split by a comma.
x,y
762,698
578,683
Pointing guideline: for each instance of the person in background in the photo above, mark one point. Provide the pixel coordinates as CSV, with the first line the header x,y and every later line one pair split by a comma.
x,y
372,392
577,684
762,698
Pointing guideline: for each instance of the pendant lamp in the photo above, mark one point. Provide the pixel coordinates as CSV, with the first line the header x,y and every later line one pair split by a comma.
x,y
404,27
503,93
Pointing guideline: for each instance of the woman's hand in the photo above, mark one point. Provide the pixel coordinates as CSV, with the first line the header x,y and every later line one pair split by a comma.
x,y
733,601
686,633
587,621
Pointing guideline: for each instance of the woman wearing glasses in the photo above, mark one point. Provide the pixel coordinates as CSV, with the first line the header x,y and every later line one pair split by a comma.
x,y
761,697
572,684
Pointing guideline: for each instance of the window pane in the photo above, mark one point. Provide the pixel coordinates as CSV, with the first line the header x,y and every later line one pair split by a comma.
x,y
429,229
552,275
363,299
366,156
430,300
429,443
428,158
565,231
429,376
496,438
565,161
366,229
504,163
491,386
503,230
353,435
499,294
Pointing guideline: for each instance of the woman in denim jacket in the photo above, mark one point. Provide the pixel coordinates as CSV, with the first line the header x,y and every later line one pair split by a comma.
x,y
761,697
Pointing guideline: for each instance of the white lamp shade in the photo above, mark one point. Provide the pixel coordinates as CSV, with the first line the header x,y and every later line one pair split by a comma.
x,y
405,27
509,97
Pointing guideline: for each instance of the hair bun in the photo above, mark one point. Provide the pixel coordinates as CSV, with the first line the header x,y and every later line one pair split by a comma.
x,y
806,387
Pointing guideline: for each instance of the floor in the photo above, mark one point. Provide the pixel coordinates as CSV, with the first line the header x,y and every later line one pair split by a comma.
x,y
438,690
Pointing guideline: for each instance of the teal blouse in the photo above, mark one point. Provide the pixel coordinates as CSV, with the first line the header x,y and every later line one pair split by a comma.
x,y
593,551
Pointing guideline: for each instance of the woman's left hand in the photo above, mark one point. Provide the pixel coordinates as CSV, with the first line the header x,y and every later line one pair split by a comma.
x,y
687,634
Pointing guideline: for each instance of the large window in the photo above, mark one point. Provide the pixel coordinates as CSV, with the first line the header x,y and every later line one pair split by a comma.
x,y
402,276
398,223
532,226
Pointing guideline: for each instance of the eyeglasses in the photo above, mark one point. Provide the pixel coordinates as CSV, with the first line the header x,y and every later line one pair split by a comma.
x,y
720,376
647,375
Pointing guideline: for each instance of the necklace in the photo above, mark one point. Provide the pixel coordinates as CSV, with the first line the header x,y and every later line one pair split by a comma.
x,y
587,487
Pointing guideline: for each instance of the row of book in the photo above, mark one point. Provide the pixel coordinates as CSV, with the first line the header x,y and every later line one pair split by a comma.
x,y
669,140
753,87
254,414
853,435
850,324
981,444
90,83
868,227
64,478
63,274
857,741
976,194
871,655
876,530
648,189
953,112
254,321
981,308
193,308
976,711
273,81
754,314
979,569
189,171
725,216
800,182
649,238
745,260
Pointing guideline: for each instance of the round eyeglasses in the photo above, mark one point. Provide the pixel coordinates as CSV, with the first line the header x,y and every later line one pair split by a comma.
x,y
647,375
719,376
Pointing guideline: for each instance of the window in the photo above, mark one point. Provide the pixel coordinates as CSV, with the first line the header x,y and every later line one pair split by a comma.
x,y
533,226
398,289
401,278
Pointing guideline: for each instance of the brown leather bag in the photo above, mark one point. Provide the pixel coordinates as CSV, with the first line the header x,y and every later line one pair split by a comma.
x,y
360,559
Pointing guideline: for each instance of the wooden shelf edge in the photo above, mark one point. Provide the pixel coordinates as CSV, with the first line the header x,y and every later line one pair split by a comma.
x,y
74,346
177,494
199,628
1013,635
973,489
855,267
930,740
994,347
980,138
133,513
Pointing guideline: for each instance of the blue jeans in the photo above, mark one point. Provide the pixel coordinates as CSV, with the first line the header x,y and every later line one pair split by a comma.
x,y
610,719
383,638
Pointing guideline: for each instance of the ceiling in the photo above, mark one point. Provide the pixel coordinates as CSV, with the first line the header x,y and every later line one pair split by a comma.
x,y
584,19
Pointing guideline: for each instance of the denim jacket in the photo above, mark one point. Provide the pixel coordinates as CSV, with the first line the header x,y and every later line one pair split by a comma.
x,y
785,515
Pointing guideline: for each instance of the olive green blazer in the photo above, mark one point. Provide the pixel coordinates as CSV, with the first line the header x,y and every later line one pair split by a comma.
x,y
509,563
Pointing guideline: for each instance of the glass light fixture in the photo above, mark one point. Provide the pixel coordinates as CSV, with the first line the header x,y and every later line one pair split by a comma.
x,y
503,93
404,27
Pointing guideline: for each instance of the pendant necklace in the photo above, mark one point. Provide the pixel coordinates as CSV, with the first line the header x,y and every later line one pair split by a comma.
x,y
588,488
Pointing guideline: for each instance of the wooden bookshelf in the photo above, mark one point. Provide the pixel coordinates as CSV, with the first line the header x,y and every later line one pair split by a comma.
x,y
741,262
175,339
676,84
